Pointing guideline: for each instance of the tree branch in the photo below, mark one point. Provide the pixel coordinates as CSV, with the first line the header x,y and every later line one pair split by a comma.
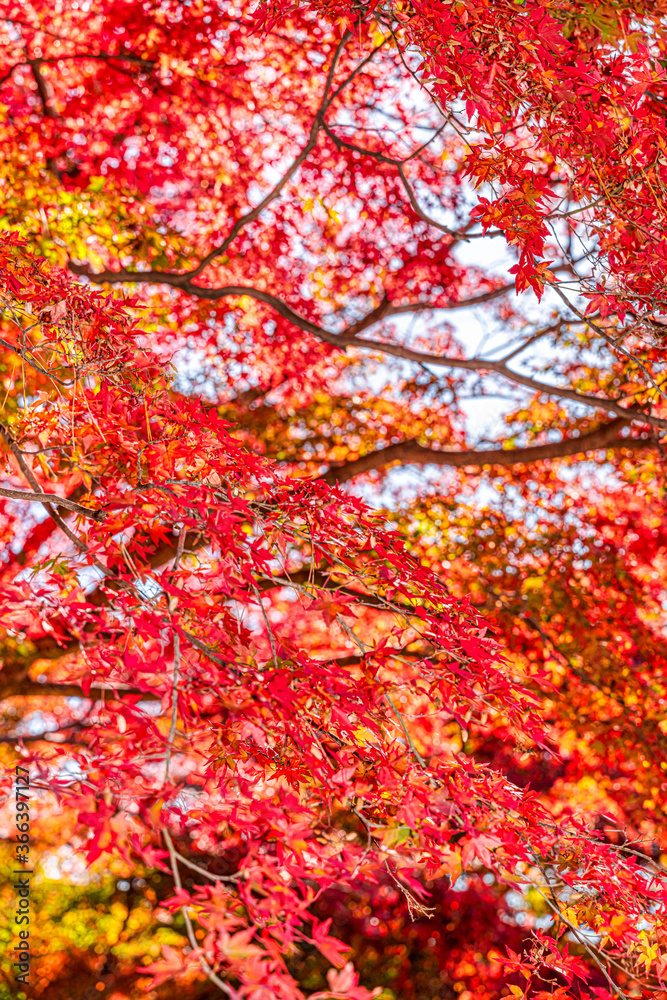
x,y
250,216
50,498
26,687
348,338
196,948
39,493
409,453
399,164
42,88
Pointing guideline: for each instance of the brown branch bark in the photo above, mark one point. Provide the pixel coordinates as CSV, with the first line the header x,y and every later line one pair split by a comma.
x,y
42,88
51,498
34,689
411,453
350,338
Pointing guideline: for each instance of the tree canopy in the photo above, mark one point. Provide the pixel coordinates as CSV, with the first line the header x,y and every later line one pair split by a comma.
x,y
333,573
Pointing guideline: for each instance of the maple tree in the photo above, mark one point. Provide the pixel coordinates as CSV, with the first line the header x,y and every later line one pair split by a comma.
x,y
352,697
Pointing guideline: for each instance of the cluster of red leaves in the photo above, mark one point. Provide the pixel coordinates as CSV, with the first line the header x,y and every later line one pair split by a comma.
x,y
304,665
559,92
265,737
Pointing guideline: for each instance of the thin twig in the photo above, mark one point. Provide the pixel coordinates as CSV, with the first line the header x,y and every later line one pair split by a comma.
x,y
268,625
287,176
177,666
418,756
197,868
174,703
609,340
188,924
50,498
48,504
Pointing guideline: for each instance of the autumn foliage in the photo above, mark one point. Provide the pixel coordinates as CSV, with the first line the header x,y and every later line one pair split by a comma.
x,y
333,575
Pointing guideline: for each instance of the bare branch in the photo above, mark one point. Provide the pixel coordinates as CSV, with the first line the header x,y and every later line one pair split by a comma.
x,y
250,216
26,687
398,164
42,88
409,453
188,923
50,498
348,338
30,361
